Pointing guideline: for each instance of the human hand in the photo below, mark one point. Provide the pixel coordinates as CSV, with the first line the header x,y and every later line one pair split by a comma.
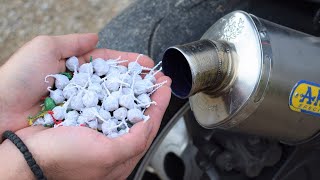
x,y
79,152
22,76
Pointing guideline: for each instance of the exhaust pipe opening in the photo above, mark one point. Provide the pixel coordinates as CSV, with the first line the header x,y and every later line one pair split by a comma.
x,y
200,66
176,66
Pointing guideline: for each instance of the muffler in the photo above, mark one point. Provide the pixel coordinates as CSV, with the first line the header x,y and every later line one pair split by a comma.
x,y
250,75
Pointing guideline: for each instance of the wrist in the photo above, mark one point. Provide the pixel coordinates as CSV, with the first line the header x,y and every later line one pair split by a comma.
x,y
41,154
12,163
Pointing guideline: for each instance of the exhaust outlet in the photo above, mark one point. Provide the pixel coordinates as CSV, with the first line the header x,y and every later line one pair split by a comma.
x,y
250,75
200,66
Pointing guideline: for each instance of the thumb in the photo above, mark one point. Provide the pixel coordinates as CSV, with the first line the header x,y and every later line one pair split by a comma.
x,y
75,44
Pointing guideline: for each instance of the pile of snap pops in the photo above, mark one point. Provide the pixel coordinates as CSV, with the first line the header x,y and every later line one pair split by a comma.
x,y
102,95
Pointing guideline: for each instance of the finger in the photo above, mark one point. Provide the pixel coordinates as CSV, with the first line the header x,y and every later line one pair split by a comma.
x,y
113,54
165,78
75,44
159,74
132,143
130,164
156,112
161,97
141,134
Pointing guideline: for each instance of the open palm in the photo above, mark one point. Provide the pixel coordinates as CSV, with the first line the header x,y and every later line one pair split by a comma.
x,y
22,78
84,153
72,152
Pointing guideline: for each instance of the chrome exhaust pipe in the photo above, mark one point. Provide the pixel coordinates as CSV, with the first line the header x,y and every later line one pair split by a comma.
x,y
250,75
200,66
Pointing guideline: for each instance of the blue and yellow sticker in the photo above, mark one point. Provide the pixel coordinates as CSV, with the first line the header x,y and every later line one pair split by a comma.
x,y
305,97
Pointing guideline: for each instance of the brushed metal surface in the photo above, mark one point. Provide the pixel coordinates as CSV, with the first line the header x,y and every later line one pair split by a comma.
x,y
238,30
264,61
